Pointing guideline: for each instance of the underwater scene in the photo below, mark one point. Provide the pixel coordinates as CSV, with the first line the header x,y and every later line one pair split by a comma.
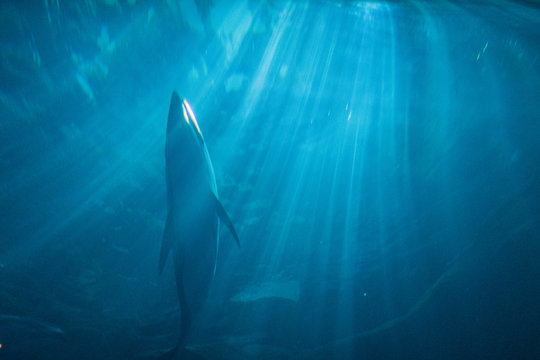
x,y
274,179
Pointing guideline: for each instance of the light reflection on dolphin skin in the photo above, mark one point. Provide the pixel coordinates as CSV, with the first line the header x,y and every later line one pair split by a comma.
x,y
194,213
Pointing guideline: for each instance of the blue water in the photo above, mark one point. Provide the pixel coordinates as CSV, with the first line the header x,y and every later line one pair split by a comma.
x,y
379,160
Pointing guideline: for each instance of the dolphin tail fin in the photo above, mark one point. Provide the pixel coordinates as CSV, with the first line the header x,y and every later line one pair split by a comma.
x,y
166,244
225,217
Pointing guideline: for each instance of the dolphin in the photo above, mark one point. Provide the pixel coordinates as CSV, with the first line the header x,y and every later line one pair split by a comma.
x,y
191,232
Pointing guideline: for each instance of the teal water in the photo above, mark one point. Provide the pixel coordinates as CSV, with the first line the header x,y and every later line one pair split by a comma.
x,y
379,161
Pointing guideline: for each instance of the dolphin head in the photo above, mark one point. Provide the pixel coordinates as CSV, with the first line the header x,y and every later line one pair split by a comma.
x,y
182,123
187,159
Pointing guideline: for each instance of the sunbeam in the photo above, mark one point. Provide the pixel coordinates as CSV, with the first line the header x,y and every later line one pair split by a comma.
x,y
378,160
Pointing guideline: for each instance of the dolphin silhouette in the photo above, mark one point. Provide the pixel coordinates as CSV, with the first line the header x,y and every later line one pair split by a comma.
x,y
194,212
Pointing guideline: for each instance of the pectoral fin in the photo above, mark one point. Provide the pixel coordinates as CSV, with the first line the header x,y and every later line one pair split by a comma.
x,y
166,244
223,216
